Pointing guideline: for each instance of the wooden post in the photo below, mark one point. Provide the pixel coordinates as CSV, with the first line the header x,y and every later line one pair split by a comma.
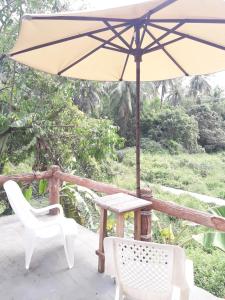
x,y
146,218
137,224
54,186
102,235
120,225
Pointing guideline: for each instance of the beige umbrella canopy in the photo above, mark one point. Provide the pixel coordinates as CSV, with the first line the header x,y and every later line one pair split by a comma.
x,y
152,40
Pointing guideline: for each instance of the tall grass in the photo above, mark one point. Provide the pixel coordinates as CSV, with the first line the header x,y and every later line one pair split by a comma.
x,y
201,173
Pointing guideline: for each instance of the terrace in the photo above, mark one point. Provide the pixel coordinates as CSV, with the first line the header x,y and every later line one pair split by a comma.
x,y
49,277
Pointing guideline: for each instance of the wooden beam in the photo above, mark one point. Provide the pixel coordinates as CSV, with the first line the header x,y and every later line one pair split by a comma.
x,y
91,184
26,177
167,207
189,214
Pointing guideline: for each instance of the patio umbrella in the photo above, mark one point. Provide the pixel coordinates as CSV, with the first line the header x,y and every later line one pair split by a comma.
x,y
152,40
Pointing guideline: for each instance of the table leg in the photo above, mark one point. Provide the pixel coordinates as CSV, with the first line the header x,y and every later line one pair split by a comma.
x,y
137,224
120,225
102,235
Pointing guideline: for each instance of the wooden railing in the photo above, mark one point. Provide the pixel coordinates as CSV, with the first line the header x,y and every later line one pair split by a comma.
x,y
55,177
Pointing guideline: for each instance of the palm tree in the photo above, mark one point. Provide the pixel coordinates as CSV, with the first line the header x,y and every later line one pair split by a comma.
x,y
199,86
217,94
122,104
87,96
175,93
163,87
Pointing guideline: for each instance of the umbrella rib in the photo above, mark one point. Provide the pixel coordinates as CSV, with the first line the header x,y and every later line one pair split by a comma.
x,y
191,37
126,51
77,18
126,61
116,47
158,8
195,21
144,31
116,33
152,11
163,45
93,51
164,35
167,53
63,40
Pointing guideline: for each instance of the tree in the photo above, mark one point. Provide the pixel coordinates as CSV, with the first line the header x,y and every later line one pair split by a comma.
x,y
163,86
199,86
175,93
122,107
171,128
87,96
211,127
38,118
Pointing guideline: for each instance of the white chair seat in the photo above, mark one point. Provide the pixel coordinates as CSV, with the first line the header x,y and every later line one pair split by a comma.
x,y
69,228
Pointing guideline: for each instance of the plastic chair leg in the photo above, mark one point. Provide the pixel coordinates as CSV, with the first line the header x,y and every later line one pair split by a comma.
x,y
29,249
69,250
119,294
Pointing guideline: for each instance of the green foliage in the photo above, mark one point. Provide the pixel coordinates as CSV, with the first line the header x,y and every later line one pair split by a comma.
x,y
121,108
21,168
213,239
208,269
28,193
172,128
42,186
78,204
211,127
199,86
201,173
149,146
58,133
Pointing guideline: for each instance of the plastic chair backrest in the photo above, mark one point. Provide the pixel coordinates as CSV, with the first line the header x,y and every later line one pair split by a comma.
x,y
19,204
144,266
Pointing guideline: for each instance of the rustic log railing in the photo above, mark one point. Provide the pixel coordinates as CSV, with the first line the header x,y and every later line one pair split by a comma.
x,y
55,176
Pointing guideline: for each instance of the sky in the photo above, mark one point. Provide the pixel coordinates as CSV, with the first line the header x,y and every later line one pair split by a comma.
x,y
217,79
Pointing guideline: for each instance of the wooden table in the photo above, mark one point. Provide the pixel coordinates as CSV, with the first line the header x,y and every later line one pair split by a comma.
x,y
119,204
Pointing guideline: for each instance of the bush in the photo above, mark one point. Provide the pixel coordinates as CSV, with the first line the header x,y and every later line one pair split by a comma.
x,y
172,128
173,147
209,270
150,146
211,128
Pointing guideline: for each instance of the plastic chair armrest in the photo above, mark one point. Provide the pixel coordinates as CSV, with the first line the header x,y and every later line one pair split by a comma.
x,y
45,210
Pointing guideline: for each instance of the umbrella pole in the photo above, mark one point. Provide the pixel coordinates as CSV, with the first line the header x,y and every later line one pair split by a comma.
x,y
138,67
138,165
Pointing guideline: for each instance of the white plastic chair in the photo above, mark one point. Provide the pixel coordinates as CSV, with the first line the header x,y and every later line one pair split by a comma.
x,y
150,271
39,229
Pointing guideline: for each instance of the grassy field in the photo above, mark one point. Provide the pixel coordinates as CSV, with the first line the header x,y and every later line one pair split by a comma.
x,y
201,173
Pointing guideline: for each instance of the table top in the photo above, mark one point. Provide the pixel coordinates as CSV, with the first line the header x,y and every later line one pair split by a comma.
x,y
120,203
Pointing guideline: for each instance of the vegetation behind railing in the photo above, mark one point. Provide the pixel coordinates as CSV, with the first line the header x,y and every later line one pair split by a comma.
x,y
55,177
